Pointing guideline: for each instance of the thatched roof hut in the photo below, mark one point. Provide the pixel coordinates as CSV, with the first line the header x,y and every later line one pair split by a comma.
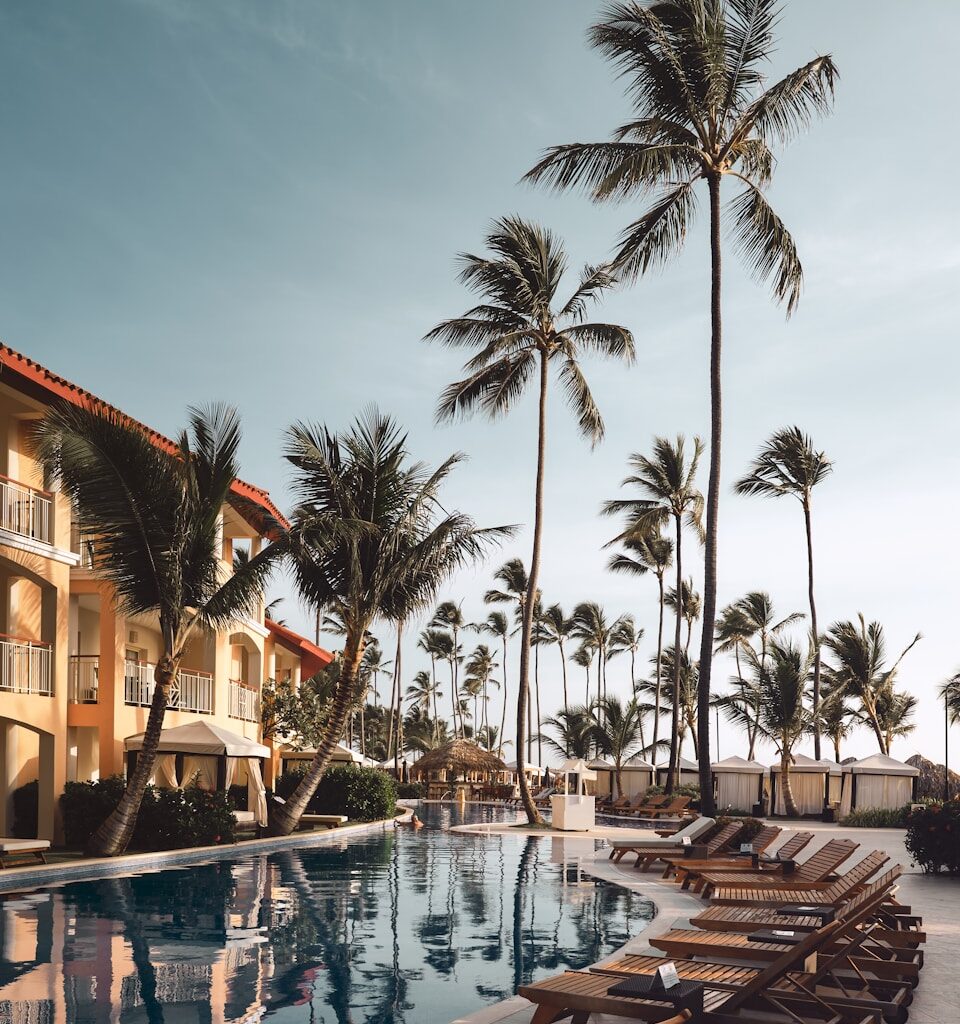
x,y
460,757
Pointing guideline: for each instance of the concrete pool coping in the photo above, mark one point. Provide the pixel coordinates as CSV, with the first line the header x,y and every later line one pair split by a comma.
x,y
33,875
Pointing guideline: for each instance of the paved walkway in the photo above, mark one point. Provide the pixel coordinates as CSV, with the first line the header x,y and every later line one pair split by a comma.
x,y
937,899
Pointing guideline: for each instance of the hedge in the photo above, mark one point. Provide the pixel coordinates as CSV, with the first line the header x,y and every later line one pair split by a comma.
x,y
362,794
169,819
878,817
933,837
26,808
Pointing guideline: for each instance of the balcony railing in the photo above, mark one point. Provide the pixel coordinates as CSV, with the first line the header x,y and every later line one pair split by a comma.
x,y
26,666
84,682
26,510
81,543
193,691
243,702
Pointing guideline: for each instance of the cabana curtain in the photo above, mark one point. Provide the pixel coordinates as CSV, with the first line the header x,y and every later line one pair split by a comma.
x,y
883,791
738,791
807,790
256,792
200,769
165,772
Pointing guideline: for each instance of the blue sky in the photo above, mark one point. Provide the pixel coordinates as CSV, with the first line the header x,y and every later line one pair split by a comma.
x,y
261,204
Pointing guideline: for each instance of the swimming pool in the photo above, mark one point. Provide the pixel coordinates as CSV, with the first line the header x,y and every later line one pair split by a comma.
x,y
385,927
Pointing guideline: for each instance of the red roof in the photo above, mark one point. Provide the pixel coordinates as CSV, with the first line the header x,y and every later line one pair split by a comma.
x,y
36,380
312,657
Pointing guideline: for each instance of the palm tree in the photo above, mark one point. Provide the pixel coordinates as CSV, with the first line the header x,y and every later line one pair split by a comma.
x,y
157,514
666,485
520,332
449,615
583,656
784,717
370,539
648,551
836,719
789,464
496,625
422,693
895,709
591,628
374,664
556,628
574,727
625,638
950,695
703,112
617,727
480,668
436,643
860,672
689,606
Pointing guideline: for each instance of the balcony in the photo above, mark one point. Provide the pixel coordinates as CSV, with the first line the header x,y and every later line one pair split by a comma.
x,y
81,543
193,691
26,511
26,666
243,702
84,679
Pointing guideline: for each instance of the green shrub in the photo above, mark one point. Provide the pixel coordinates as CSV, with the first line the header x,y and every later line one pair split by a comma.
x,y
26,806
169,819
691,791
878,817
411,790
362,794
933,837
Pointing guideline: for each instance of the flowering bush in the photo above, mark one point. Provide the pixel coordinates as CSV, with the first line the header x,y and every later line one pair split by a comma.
x,y
933,837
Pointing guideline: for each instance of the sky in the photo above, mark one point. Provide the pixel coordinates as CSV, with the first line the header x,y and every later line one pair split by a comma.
x,y
262,204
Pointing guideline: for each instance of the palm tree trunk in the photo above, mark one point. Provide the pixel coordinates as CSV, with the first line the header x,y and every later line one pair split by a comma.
x,y
398,749
536,679
503,714
713,504
618,776
114,834
788,802
526,630
672,774
284,818
436,711
656,713
563,668
813,630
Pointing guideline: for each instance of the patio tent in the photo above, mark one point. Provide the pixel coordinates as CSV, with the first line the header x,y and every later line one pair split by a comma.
x,y
211,757
837,774
689,773
637,776
809,782
738,783
879,781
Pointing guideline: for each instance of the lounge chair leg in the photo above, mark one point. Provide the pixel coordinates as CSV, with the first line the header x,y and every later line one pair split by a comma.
x,y
546,1014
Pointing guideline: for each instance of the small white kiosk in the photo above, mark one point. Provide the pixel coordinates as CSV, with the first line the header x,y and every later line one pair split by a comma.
x,y
574,811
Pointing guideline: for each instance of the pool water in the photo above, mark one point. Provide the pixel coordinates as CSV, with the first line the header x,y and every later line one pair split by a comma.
x,y
382,927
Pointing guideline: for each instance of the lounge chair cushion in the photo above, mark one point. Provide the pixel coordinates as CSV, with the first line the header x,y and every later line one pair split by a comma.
x,y
324,819
693,830
9,845
245,817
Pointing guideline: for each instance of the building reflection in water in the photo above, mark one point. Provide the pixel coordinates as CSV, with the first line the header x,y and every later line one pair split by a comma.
x,y
384,928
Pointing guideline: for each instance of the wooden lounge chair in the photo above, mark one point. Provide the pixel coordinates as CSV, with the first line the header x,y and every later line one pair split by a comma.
x,y
662,844
674,809
717,843
815,868
17,852
787,852
722,859
643,806
327,820
586,993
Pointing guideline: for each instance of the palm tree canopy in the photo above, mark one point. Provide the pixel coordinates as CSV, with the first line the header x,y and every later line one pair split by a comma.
x,y
702,109
784,716
625,636
512,575
950,694
448,614
690,601
554,627
590,626
616,727
156,513
788,463
520,319
574,729
860,653
646,550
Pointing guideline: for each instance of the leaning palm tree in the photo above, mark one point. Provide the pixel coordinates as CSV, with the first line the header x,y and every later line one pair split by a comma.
x,y
860,670
521,331
556,628
784,717
648,551
618,728
666,482
497,625
156,511
788,464
371,539
702,112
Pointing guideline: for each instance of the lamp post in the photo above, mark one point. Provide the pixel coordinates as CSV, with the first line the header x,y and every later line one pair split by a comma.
x,y
946,744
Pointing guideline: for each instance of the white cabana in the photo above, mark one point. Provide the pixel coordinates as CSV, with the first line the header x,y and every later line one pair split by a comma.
x,y
836,773
880,781
738,783
689,773
603,785
533,772
340,755
809,783
637,776
209,756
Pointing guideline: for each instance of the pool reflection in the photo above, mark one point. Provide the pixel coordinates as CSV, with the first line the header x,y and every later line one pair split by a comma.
x,y
387,927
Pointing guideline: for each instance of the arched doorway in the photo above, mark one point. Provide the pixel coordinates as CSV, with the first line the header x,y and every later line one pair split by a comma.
x,y
27,754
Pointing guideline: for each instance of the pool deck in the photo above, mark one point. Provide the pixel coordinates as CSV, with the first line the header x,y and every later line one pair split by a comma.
x,y
936,898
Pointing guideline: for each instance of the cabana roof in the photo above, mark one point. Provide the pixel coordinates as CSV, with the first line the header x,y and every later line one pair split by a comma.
x,y
738,764
803,764
459,756
340,753
685,765
637,763
882,764
599,764
528,766
202,738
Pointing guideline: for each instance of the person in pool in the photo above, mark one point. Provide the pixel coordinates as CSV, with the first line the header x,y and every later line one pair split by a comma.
x,y
414,822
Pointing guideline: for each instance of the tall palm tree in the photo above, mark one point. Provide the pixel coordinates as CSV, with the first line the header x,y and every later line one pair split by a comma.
x,y
157,515
556,628
496,625
574,729
836,718
436,643
702,112
449,615
666,482
371,539
950,695
583,656
784,717
617,727
480,667
788,464
860,670
648,550
521,330
689,606
591,628
625,637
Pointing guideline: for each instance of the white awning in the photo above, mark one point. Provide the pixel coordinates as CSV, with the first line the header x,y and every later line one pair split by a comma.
x,y
882,764
738,764
201,738
340,754
802,764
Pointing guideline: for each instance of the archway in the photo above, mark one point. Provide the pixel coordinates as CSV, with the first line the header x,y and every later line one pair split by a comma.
x,y
27,753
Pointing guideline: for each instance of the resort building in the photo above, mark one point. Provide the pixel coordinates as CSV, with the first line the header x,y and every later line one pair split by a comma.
x,y
76,675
